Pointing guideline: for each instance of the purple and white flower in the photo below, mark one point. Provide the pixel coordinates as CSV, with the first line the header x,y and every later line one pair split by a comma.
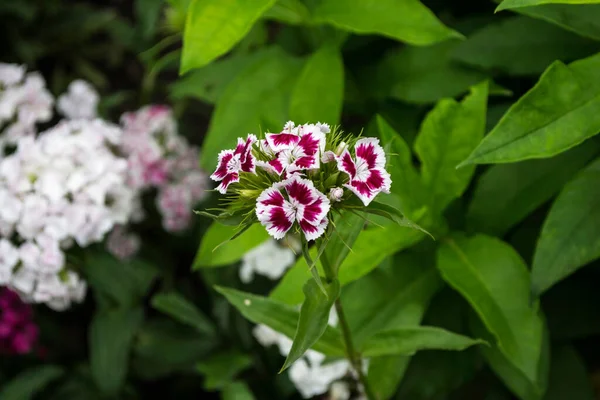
x,y
232,162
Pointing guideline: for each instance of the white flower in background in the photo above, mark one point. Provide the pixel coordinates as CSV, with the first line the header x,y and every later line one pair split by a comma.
x,y
11,74
270,259
339,391
123,244
80,101
309,374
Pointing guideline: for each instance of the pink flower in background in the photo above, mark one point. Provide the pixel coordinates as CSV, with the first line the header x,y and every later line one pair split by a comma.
x,y
18,333
367,173
123,244
232,162
304,204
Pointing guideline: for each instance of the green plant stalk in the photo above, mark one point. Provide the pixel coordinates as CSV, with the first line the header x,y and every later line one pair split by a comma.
x,y
354,358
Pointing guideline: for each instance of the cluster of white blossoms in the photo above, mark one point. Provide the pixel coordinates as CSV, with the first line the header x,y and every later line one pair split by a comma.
x,y
270,258
311,375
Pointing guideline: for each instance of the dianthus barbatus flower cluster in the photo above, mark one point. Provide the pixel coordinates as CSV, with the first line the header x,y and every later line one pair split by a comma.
x,y
295,178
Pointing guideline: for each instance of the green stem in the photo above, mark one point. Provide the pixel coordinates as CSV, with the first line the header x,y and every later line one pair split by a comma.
x,y
351,353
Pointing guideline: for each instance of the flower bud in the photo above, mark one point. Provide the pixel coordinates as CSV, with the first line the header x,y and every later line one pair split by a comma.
x,y
336,194
343,146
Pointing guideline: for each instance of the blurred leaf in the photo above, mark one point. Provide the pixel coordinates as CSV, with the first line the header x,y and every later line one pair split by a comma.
x,y
347,229
408,21
491,276
559,112
213,27
147,13
236,391
314,315
110,337
385,374
25,385
448,134
568,376
208,83
280,317
522,46
570,237
310,101
125,282
583,19
505,194
292,12
409,340
508,4
221,368
269,78
182,310
216,250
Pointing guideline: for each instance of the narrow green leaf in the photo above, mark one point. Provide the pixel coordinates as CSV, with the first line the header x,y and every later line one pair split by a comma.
x,y
269,78
522,46
216,250
407,341
236,391
147,17
110,337
324,69
314,315
213,27
559,112
25,385
182,310
221,368
312,264
570,237
493,278
347,228
506,193
280,317
448,133
408,21
569,377
509,4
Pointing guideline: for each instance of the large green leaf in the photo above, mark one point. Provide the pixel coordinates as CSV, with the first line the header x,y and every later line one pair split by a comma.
x,y
25,385
570,237
568,376
269,78
314,315
310,102
110,337
281,317
216,250
509,4
493,278
182,310
407,20
561,111
220,369
583,19
213,27
448,133
506,193
409,340
288,11
522,46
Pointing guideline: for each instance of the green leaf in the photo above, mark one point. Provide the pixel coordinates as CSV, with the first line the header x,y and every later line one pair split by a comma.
x,y
281,317
347,228
493,278
110,337
147,14
292,12
25,385
124,282
311,263
559,112
448,133
216,250
269,78
385,374
314,315
408,21
310,102
522,46
236,391
509,4
407,341
583,19
213,27
221,368
570,237
506,193
568,376
182,310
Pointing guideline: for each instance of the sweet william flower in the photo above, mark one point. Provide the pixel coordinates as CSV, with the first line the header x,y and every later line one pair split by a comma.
x,y
303,204
232,162
366,171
